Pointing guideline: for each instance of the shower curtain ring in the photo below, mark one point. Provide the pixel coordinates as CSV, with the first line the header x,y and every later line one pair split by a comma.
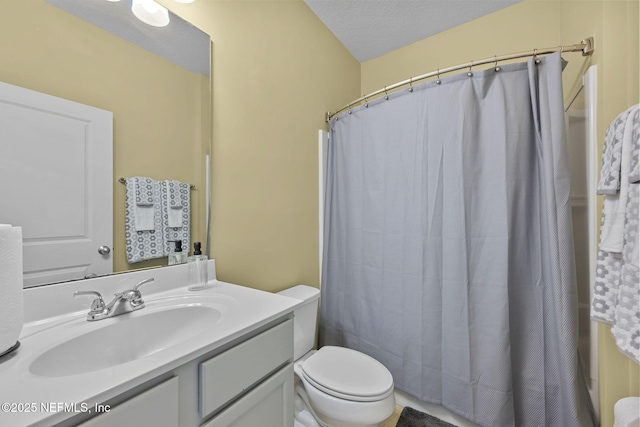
x,y
410,84
535,57
470,74
438,81
386,95
366,103
496,68
349,107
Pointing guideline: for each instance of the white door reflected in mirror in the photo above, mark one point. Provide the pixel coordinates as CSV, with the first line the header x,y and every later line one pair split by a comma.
x,y
57,170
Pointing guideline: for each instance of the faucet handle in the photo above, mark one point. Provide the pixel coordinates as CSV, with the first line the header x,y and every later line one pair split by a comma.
x,y
145,281
97,305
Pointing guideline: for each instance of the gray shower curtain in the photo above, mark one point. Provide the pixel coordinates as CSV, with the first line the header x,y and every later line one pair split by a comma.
x,y
448,246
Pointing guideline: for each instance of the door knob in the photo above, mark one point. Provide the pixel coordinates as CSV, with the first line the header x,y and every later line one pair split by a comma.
x,y
104,250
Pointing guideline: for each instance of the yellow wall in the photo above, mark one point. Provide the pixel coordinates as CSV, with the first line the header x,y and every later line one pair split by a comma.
x,y
276,71
157,105
524,26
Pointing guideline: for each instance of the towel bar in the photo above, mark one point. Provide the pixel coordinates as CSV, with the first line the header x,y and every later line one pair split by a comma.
x,y
124,181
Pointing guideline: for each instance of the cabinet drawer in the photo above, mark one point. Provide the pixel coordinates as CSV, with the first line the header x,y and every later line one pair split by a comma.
x,y
227,375
268,405
156,407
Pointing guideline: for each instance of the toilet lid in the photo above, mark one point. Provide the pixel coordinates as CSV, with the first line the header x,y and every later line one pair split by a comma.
x,y
348,374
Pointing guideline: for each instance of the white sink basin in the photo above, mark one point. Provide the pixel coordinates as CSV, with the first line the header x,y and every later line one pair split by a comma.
x,y
125,338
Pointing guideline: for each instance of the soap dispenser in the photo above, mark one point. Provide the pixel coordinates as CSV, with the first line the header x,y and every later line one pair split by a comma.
x,y
198,274
177,256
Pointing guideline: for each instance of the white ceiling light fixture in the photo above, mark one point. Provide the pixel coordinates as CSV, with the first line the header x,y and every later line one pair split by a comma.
x,y
150,12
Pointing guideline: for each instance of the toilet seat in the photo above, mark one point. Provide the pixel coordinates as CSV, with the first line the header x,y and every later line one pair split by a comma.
x,y
347,374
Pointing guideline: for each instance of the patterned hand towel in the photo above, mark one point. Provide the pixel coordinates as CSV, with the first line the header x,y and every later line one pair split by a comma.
x,y
176,220
177,194
141,245
146,194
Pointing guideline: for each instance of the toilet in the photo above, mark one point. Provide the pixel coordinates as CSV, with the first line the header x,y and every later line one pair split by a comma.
x,y
334,386
626,412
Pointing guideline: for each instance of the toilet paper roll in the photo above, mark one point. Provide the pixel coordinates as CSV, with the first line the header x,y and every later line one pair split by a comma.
x,y
11,303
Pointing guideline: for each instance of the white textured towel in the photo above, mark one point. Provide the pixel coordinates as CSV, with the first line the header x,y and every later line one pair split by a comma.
x,y
616,294
615,205
612,155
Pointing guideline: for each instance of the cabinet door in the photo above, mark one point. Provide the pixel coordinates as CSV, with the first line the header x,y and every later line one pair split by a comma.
x,y
226,376
157,407
268,405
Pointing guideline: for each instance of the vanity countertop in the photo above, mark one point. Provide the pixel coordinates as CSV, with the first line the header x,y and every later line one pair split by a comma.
x,y
36,399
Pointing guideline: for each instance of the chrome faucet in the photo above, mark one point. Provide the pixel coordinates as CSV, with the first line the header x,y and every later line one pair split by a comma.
x,y
124,302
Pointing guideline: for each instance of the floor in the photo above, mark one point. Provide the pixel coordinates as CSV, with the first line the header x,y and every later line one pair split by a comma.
x,y
393,419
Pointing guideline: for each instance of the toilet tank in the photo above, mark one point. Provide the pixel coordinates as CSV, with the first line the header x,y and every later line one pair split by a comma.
x,y
305,318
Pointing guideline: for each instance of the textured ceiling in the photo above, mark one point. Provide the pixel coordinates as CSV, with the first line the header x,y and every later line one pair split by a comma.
x,y
370,28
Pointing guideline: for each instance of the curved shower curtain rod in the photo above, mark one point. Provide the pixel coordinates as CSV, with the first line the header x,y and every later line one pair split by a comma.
x,y
586,46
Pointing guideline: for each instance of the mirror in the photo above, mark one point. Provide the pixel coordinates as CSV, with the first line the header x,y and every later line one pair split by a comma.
x,y
155,81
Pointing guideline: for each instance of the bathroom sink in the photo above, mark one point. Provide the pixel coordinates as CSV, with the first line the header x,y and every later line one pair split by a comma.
x,y
125,338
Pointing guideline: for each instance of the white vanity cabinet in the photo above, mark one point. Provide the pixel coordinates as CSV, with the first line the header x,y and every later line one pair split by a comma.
x,y
246,383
